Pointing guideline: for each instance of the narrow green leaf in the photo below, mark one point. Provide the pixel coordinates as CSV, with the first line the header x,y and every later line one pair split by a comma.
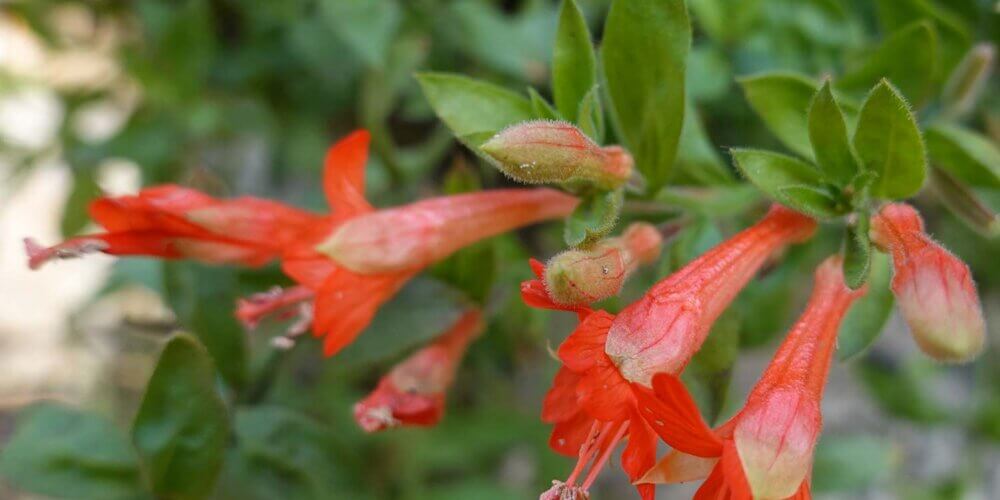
x,y
59,451
643,53
782,101
541,107
787,180
965,204
594,218
591,115
857,253
967,81
831,144
474,110
888,143
574,65
865,320
908,57
182,425
965,154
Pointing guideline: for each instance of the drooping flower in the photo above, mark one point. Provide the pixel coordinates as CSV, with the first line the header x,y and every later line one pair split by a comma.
x,y
934,289
413,393
585,276
352,260
557,152
592,402
766,450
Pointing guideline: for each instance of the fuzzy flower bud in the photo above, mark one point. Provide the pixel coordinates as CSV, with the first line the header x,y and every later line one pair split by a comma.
x,y
577,277
934,289
555,152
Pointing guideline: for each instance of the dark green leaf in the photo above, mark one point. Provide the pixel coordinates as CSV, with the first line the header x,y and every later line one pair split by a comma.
x,y
182,425
888,143
782,101
788,181
643,52
85,190
421,311
541,107
593,219
67,453
712,366
591,115
857,253
869,314
473,109
850,463
908,58
830,141
367,27
955,36
698,160
965,154
574,65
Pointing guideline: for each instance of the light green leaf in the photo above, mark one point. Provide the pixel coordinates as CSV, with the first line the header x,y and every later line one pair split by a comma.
x,y
782,101
968,156
541,107
63,452
182,425
574,65
788,181
643,53
591,115
908,58
593,218
857,253
474,110
828,135
888,143
850,463
868,315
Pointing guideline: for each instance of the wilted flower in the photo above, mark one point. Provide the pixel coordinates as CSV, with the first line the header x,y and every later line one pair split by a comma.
x,y
934,288
413,393
765,450
554,151
593,398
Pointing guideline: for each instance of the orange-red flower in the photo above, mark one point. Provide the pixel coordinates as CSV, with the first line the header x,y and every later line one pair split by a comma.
x,y
766,450
413,393
352,260
608,360
934,288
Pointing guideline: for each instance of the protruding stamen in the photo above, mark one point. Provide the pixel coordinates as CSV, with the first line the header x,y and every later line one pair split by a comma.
x,y
70,249
251,310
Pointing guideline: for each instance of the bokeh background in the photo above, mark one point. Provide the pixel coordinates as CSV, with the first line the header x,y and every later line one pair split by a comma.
x,y
243,96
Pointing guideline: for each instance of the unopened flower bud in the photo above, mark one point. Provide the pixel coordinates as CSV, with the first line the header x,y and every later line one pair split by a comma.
x,y
576,277
556,152
934,289
967,80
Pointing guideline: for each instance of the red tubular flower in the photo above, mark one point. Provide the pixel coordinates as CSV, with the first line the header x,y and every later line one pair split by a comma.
x,y
413,393
934,288
765,450
593,400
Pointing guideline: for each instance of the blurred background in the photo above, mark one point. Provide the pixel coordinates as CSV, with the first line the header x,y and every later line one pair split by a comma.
x,y
241,97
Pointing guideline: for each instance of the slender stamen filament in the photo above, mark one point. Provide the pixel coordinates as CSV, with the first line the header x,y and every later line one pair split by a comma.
x,y
586,451
599,464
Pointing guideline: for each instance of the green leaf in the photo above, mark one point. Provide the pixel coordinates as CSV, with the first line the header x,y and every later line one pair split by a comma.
x,y
574,65
697,238
955,36
712,365
182,425
908,58
474,110
62,452
542,109
593,218
85,189
643,52
901,390
869,314
698,160
591,115
718,201
965,154
782,101
421,311
850,463
831,144
788,181
367,27
857,253
965,204
888,143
